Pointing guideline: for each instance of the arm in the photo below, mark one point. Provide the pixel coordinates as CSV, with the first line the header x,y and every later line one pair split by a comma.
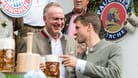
x,y
112,68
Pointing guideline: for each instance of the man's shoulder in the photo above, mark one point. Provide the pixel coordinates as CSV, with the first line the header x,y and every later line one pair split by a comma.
x,y
110,45
68,14
66,37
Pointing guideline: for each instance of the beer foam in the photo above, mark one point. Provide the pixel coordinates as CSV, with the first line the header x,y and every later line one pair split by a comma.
x,y
7,43
52,58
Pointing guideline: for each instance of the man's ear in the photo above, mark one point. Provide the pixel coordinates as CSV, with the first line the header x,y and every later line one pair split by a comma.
x,y
44,18
90,27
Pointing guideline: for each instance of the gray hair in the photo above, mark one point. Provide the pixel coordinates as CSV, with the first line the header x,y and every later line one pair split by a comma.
x,y
50,5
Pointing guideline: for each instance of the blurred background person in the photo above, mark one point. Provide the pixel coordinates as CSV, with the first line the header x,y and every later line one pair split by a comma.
x,y
80,7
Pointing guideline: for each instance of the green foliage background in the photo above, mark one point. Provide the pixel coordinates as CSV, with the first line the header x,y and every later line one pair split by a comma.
x,y
94,4
136,6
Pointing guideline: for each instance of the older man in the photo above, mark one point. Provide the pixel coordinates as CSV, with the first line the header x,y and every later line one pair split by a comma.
x,y
50,39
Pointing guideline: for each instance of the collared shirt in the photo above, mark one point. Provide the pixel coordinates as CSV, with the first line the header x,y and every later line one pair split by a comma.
x,y
81,65
34,16
56,47
71,29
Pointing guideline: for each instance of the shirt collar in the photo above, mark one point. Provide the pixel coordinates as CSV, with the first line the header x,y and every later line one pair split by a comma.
x,y
50,37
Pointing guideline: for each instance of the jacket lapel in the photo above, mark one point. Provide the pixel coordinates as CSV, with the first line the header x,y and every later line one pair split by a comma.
x,y
47,40
64,42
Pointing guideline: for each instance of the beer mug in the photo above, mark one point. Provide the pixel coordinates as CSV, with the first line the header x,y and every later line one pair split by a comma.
x,y
7,55
52,66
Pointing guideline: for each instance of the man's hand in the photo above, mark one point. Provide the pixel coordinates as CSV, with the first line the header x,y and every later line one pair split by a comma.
x,y
42,66
69,61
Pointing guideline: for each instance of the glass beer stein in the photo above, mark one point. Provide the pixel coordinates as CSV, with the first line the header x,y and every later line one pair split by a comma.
x,y
7,55
52,66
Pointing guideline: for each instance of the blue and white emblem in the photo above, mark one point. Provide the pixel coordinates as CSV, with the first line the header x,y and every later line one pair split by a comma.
x,y
15,8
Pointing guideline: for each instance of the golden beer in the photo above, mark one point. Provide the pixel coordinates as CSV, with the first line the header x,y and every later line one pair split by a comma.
x,y
7,55
52,66
7,60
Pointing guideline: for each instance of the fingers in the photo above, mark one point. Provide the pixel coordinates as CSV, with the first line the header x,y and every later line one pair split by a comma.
x,y
64,56
68,60
67,63
65,60
42,66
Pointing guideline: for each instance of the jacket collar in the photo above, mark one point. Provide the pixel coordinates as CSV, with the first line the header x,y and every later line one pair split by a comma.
x,y
63,39
83,12
46,35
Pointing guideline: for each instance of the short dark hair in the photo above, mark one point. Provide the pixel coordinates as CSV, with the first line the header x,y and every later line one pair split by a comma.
x,y
90,17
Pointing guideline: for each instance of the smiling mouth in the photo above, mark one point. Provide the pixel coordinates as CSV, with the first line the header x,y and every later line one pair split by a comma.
x,y
57,27
78,4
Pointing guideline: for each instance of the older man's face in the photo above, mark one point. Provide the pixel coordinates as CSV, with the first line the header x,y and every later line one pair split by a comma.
x,y
54,20
80,4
